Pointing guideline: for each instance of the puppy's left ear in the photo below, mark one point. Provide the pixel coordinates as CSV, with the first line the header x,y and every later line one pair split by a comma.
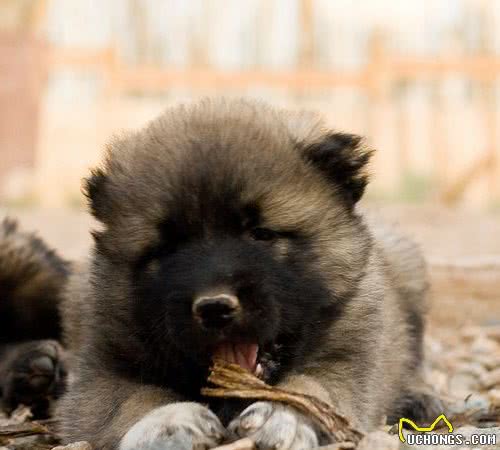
x,y
342,158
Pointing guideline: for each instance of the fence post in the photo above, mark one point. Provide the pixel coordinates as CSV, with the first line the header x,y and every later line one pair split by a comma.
x,y
378,82
24,59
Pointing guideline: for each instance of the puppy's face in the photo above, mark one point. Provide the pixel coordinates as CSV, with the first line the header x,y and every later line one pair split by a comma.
x,y
232,237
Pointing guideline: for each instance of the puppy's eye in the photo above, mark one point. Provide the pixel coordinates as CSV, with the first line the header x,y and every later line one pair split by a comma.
x,y
263,234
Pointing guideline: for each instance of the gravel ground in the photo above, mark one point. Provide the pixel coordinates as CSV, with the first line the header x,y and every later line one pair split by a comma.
x,y
464,369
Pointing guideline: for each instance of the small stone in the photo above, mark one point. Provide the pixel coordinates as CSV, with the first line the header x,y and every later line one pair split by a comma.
x,y
472,332
491,379
494,396
432,345
493,331
378,440
473,368
471,402
462,384
490,362
484,345
21,414
438,380
74,446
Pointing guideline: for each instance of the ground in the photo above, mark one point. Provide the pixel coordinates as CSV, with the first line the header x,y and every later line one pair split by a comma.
x,y
463,338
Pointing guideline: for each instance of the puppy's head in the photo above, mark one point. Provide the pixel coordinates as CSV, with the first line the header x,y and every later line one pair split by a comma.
x,y
229,230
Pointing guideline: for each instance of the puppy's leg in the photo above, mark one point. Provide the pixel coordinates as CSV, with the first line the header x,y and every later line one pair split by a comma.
x,y
32,373
114,413
177,425
272,425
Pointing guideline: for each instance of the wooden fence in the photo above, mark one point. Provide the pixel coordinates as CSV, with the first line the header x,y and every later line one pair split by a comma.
x,y
376,79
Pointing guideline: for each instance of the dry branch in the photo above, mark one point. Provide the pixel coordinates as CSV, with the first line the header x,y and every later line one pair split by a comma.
x,y
234,381
18,430
474,417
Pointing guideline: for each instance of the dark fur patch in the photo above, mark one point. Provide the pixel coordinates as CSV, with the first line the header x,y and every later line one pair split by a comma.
x,y
416,329
421,407
32,277
342,158
94,189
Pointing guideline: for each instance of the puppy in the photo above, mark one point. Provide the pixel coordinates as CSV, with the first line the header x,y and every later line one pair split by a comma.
x,y
32,279
230,229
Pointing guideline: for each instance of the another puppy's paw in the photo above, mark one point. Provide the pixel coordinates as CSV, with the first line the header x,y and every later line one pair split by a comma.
x,y
275,426
180,426
34,373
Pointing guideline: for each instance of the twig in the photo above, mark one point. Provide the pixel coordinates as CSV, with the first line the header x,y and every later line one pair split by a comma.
x,y
234,381
17,430
474,417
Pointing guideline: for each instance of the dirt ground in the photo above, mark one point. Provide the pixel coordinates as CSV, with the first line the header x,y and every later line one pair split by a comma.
x,y
463,339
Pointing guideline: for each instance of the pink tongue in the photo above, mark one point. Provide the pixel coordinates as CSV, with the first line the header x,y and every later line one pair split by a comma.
x,y
245,355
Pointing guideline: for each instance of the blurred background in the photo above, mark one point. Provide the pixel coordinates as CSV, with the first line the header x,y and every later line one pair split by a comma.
x,y
421,80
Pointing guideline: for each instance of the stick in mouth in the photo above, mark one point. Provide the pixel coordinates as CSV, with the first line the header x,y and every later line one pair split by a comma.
x,y
233,381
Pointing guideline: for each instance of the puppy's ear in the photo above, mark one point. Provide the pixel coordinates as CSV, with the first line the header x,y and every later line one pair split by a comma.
x,y
94,188
342,158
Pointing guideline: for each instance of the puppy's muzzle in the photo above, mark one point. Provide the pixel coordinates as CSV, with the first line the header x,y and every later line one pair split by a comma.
x,y
216,312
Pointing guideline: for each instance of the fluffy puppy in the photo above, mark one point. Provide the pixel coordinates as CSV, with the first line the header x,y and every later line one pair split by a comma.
x,y
230,229
32,278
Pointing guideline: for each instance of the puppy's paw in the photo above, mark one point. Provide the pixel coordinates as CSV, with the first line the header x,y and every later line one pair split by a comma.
x,y
275,426
420,405
34,373
181,426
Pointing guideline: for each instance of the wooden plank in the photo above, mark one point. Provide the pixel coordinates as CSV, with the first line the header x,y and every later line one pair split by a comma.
x,y
154,77
150,78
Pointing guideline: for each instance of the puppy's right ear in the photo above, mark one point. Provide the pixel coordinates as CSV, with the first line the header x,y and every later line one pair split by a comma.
x,y
94,188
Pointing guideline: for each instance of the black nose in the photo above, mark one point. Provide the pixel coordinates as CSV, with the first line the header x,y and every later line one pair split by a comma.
x,y
216,312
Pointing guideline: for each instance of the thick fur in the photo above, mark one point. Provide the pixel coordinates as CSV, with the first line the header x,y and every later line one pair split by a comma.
x,y
261,203
32,278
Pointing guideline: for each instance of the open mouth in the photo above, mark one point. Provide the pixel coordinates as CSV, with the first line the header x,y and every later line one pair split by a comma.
x,y
244,354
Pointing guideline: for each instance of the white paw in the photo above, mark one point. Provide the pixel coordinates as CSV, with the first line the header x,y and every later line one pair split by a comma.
x,y
275,426
176,426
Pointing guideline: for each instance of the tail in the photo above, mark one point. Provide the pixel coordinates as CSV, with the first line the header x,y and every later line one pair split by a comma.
x,y
32,279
